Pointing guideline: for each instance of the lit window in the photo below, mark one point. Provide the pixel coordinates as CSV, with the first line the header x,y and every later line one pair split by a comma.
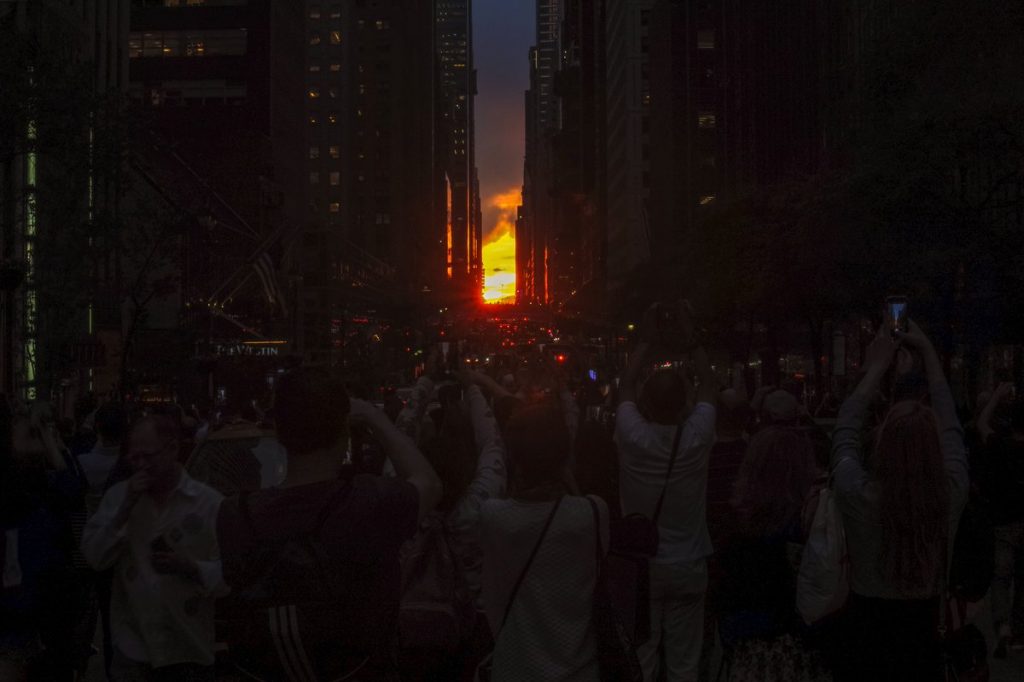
x,y
335,37
314,68
704,201
335,11
382,25
335,178
334,151
333,92
314,152
314,93
332,118
313,120
314,38
334,207
706,39
314,12
706,120
335,67
314,178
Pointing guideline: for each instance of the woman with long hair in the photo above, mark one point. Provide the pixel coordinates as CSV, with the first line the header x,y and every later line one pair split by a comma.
x,y
901,503
756,603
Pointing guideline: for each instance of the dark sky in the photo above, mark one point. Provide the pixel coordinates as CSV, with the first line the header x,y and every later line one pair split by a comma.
x,y
503,33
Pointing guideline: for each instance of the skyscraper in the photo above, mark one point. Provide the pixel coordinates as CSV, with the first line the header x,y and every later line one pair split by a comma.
x,y
454,41
542,120
628,140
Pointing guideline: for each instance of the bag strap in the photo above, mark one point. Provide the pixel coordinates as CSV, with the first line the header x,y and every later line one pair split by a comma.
x,y
597,538
529,561
668,474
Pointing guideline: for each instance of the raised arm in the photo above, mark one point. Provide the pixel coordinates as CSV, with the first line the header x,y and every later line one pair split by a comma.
x,y
409,462
847,449
951,433
410,419
631,375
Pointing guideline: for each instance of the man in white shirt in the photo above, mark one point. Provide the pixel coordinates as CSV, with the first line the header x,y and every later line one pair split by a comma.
x,y
679,575
157,530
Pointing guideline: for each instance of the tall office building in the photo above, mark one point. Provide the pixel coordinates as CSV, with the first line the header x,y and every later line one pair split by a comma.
x,y
577,239
628,69
221,83
456,148
392,195
542,120
77,51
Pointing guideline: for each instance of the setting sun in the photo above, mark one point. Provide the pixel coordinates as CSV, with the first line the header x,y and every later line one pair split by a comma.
x,y
500,249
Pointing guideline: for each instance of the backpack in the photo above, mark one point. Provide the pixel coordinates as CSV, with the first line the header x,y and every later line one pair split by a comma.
x,y
285,622
823,580
436,612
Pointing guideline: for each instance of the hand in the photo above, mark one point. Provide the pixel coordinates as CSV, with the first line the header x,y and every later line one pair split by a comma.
x,y
139,483
362,412
880,353
170,562
904,360
1003,391
915,338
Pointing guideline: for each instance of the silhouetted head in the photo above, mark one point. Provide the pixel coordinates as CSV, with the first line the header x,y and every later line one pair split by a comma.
x,y
310,411
664,397
538,443
733,414
153,447
111,423
775,477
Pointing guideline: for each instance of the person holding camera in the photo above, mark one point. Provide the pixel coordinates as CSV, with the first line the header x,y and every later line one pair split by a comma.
x,y
901,498
1002,482
157,532
665,446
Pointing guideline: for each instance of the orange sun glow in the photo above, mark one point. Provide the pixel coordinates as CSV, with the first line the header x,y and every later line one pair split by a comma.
x,y
500,249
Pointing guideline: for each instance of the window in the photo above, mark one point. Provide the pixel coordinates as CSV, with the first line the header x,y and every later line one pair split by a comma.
x,y
706,39
334,207
314,68
182,93
332,118
314,12
382,24
334,151
314,178
706,120
314,93
335,178
335,37
335,67
212,43
314,152
314,38
704,201
335,11
313,120
333,92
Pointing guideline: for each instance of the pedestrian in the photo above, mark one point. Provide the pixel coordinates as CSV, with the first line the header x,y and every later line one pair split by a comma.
x,y
901,499
539,568
157,532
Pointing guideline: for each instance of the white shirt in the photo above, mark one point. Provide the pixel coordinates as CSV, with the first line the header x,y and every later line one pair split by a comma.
x,y
644,451
549,633
160,619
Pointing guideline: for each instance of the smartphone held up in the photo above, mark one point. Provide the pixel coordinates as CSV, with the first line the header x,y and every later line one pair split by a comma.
x,y
897,314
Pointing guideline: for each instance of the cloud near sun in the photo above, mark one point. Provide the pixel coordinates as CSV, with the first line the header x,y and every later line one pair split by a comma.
x,y
500,247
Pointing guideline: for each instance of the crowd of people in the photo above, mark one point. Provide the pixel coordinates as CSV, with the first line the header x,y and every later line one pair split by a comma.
x,y
491,527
